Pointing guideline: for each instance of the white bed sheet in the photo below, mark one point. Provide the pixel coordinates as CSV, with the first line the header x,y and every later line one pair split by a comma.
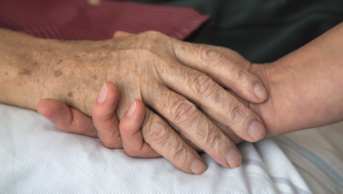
x,y
35,157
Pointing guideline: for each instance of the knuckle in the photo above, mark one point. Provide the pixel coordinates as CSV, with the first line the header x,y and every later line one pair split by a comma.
x,y
153,37
210,56
204,86
145,51
219,96
237,113
157,132
153,33
207,52
185,112
239,74
181,153
212,138
213,141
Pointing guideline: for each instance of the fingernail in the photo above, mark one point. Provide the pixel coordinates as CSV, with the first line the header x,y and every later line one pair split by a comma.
x,y
131,109
256,130
103,93
260,91
233,158
197,167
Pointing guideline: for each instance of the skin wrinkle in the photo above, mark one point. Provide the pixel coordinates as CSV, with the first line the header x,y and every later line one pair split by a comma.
x,y
218,98
202,85
159,134
213,61
236,114
215,139
181,154
215,95
173,110
172,144
209,136
185,113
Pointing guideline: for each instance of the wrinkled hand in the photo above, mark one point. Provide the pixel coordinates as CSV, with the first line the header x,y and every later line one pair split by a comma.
x,y
161,72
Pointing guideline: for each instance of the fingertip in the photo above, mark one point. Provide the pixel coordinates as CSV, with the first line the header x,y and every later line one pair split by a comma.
x,y
50,108
256,131
113,93
106,102
260,92
42,106
233,158
140,109
134,116
198,167
131,108
111,86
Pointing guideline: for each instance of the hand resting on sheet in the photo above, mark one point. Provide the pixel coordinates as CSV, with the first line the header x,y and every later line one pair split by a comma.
x,y
162,72
305,90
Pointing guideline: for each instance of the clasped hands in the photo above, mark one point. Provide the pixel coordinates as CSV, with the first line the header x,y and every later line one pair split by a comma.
x,y
161,97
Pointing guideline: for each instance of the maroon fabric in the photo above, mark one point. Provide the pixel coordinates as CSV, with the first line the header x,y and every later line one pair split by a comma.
x,y
77,20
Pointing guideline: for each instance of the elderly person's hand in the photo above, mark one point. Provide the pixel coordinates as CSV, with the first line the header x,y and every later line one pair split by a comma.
x,y
304,86
160,71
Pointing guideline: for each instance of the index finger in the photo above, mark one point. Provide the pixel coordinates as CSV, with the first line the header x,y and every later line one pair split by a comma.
x,y
223,65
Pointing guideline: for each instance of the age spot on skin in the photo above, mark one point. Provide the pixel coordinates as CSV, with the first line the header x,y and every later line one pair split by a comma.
x,y
6,73
24,71
59,61
70,94
58,73
95,77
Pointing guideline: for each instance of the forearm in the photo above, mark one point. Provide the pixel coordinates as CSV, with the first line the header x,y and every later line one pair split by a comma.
x,y
23,61
306,86
33,68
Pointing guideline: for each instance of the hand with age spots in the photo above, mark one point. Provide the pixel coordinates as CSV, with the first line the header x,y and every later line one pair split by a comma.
x,y
183,88
304,92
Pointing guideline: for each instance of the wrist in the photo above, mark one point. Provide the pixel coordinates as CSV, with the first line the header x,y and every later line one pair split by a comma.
x,y
23,61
